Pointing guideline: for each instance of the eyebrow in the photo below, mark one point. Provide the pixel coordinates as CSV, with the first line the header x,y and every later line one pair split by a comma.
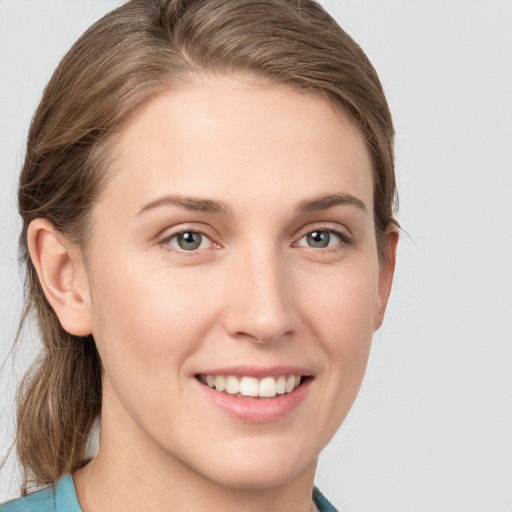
x,y
211,206
328,201
189,203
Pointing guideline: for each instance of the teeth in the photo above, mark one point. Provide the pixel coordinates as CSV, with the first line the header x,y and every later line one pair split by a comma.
x,y
232,385
290,383
220,383
267,387
281,385
249,386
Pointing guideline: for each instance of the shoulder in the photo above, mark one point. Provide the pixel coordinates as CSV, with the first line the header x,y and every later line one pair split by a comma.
x,y
42,501
60,498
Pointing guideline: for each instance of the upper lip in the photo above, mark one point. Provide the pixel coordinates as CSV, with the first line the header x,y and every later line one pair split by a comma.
x,y
257,371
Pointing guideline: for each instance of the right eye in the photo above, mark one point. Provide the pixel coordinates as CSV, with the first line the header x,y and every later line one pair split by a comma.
x,y
321,239
189,241
324,238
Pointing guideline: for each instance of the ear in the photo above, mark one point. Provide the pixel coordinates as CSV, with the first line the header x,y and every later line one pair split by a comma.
x,y
386,272
61,271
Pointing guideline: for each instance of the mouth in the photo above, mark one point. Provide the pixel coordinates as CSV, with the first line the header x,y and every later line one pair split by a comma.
x,y
256,394
247,386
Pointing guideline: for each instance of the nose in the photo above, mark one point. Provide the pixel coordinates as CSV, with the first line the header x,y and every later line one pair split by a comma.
x,y
259,298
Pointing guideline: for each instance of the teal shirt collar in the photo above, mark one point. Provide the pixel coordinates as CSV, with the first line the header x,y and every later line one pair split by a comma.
x,y
61,498
65,496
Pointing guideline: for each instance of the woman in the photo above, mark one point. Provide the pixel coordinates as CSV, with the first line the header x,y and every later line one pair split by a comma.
x,y
207,200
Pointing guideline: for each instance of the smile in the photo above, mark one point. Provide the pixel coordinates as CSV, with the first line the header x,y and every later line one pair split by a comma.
x,y
246,386
256,395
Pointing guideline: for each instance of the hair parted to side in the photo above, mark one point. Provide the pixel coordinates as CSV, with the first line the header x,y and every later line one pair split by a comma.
x,y
125,59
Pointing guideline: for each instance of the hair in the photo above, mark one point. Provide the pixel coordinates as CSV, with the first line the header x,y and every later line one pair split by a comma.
x,y
116,67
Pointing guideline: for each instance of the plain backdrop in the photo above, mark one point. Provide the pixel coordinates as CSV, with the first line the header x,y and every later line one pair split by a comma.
x,y
431,430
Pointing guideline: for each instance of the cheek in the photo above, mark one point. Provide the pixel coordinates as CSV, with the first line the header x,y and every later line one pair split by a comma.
x,y
145,321
344,300
338,312
146,329
343,317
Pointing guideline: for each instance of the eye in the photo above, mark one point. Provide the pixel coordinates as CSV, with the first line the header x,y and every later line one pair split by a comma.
x,y
323,239
320,239
189,241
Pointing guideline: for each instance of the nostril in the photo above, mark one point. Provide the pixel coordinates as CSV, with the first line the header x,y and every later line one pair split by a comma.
x,y
264,337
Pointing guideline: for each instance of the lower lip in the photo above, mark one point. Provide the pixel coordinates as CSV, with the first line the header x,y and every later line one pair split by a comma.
x,y
258,410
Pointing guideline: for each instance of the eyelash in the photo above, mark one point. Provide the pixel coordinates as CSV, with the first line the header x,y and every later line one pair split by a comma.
x,y
165,240
344,240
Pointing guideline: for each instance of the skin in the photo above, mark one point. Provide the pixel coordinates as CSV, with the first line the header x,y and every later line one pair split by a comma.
x,y
255,293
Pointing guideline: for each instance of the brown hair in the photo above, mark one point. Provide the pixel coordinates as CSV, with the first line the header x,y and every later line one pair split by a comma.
x,y
117,66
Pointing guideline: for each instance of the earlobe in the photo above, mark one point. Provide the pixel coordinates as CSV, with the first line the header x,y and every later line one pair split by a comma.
x,y
62,276
387,270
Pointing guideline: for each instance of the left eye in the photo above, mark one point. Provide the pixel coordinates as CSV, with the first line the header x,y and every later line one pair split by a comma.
x,y
320,239
189,241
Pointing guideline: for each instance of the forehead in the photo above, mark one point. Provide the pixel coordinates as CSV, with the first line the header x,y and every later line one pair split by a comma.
x,y
233,139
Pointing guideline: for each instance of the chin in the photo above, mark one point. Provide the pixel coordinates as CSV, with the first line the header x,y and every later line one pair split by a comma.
x,y
261,467
253,477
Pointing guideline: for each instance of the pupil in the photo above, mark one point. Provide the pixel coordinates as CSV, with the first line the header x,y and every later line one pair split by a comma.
x,y
189,241
319,239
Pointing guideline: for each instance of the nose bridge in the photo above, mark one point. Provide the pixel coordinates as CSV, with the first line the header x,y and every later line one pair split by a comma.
x,y
260,299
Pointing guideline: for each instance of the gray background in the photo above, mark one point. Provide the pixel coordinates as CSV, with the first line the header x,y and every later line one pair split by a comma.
x,y
432,428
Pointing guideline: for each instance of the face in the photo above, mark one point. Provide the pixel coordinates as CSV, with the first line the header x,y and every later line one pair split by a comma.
x,y
234,280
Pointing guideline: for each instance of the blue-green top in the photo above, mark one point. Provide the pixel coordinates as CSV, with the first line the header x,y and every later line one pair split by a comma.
x,y
62,498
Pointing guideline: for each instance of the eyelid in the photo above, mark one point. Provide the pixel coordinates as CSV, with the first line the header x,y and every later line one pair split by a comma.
x,y
342,232
166,235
